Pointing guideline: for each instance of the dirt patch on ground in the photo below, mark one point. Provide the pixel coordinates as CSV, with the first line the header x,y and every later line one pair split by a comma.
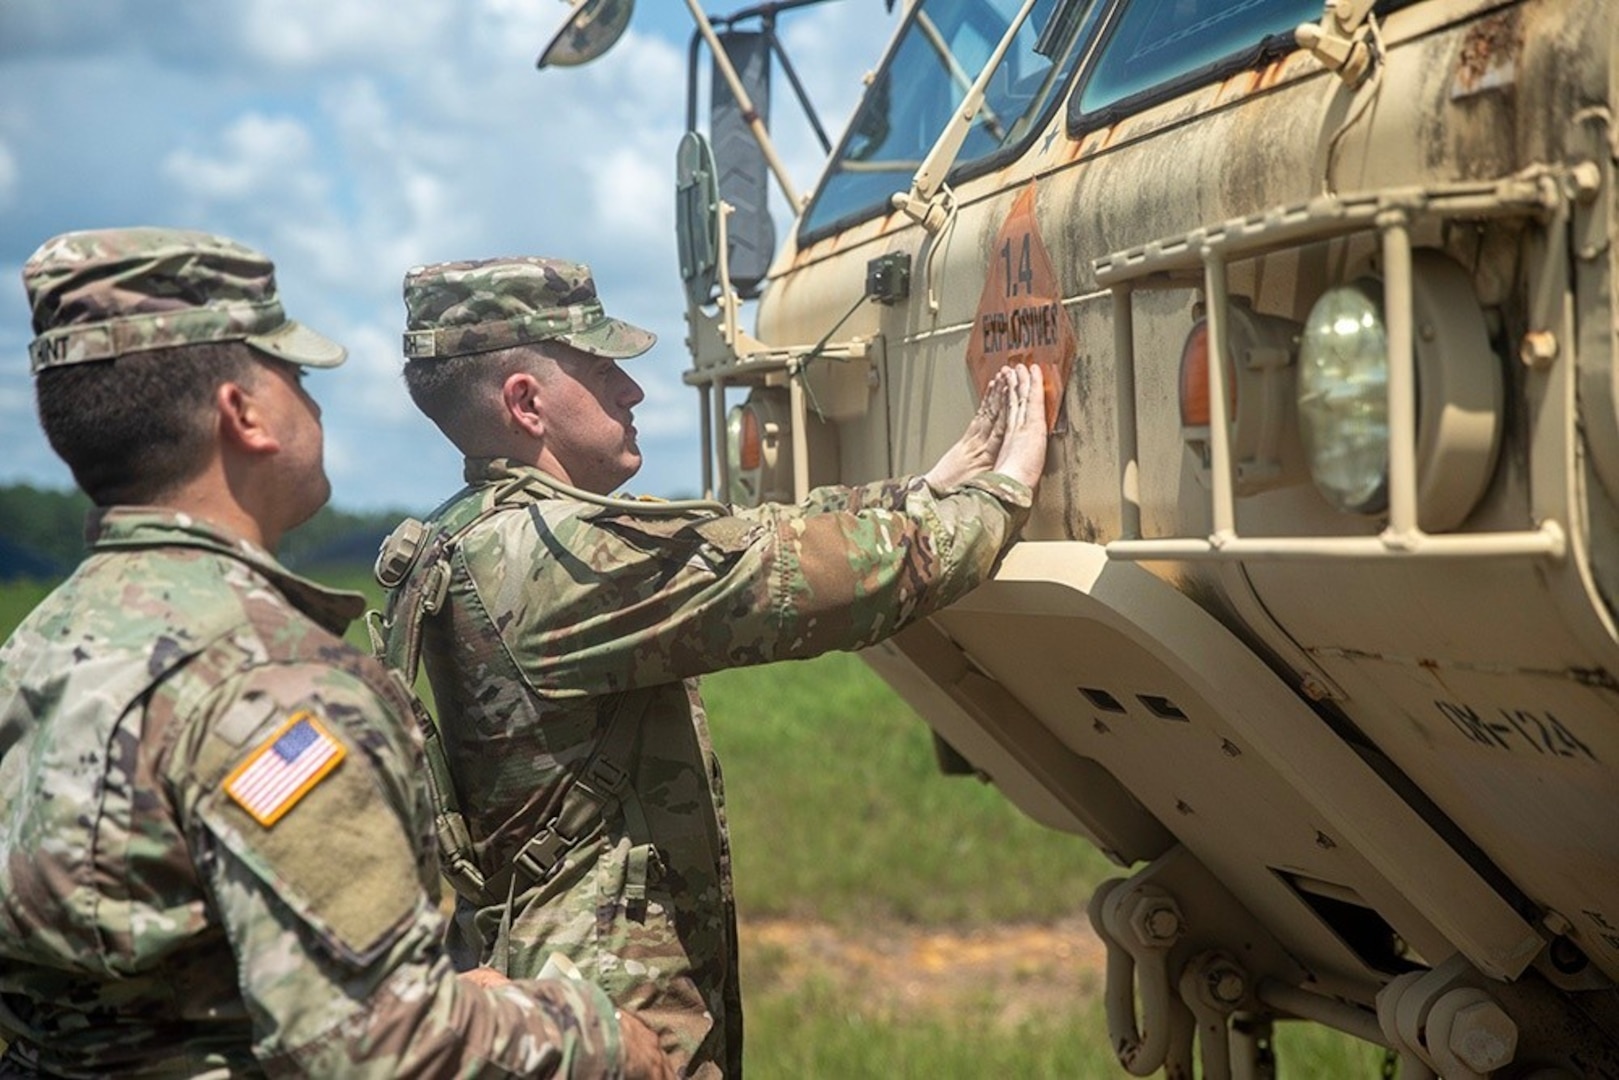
x,y
1023,969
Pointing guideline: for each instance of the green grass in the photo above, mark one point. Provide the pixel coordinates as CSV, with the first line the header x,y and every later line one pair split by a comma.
x,y
1309,1050
838,811
355,579
818,1031
17,599
839,815
821,1032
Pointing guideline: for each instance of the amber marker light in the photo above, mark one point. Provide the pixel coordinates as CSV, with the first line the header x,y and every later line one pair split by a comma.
x,y
1259,433
1195,379
759,448
750,441
745,434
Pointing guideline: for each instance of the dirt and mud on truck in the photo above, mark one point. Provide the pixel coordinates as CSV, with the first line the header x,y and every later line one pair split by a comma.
x,y
1312,630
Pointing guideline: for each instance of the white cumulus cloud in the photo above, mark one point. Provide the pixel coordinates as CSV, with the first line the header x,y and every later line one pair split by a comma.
x,y
255,156
352,140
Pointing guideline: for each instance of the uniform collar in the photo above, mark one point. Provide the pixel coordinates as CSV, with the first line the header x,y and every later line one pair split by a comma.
x,y
486,470
129,528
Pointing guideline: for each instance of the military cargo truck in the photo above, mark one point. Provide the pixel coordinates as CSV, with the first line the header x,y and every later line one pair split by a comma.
x,y
1312,628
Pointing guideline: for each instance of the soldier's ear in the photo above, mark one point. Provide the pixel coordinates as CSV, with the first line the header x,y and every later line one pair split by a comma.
x,y
242,420
520,398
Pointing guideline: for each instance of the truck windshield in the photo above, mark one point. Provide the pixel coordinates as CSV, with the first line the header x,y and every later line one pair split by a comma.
x,y
942,50
1167,43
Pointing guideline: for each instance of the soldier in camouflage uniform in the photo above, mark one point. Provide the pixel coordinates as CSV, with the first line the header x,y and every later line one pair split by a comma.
x,y
215,851
563,632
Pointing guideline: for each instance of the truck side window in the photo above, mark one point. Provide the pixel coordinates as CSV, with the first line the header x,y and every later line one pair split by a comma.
x,y
1156,48
942,50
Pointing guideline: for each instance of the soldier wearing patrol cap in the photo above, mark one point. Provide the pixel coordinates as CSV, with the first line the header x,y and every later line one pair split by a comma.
x,y
580,803
215,857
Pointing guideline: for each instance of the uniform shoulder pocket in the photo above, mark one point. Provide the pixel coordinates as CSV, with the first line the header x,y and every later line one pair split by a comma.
x,y
724,535
301,809
729,534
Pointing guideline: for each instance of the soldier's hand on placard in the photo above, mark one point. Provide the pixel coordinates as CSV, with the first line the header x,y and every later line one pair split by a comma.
x,y
644,1059
976,450
1023,451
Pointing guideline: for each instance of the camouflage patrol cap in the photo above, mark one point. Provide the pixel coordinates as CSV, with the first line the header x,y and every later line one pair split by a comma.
x,y
102,293
456,308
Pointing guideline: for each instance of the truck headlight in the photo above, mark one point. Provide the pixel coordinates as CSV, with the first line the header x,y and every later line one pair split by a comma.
x,y
1343,400
1343,397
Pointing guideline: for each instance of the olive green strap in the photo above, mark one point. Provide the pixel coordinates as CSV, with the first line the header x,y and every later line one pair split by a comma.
x,y
500,957
585,805
603,784
418,596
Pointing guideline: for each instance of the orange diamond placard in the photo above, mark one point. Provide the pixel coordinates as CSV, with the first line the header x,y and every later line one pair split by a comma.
x,y
1020,316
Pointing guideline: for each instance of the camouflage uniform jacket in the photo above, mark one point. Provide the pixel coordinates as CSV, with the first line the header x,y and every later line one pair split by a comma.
x,y
150,925
557,608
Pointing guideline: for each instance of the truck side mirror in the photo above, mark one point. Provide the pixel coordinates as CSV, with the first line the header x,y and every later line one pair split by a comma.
x,y
697,224
590,29
744,173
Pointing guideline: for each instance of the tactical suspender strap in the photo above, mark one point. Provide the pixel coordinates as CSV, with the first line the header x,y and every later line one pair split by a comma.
x,y
456,861
581,816
581,811
423,595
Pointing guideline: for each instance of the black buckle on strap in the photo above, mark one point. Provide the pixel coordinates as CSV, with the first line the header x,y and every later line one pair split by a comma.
x,y
540,857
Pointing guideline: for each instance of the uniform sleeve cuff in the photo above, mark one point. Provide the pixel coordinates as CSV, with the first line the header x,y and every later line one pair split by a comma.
x,y
1014,493
601,1047
612,1034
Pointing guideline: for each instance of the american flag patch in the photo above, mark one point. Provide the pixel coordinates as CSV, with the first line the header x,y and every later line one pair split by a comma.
x,y
284,769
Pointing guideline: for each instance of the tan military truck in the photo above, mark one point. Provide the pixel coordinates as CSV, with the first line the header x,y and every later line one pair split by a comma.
x,y
1311,630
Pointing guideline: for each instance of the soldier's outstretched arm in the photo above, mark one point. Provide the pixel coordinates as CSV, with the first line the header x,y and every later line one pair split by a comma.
x,y
979,450
610,600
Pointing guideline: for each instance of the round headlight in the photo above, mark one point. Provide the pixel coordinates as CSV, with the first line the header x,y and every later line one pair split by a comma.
x,y
1343,397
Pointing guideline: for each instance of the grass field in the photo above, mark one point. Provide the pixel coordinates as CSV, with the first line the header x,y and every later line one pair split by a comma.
x,y
896,923
839,816
18,599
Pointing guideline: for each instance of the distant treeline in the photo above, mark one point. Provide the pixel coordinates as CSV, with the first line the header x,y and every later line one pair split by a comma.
x,y
42,534
41,531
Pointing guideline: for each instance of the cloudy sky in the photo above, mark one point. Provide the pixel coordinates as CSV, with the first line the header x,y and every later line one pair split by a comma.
x,y
351,139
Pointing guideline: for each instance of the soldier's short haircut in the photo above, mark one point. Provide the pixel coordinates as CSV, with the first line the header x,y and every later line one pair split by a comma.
x,y
451,390
136,427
